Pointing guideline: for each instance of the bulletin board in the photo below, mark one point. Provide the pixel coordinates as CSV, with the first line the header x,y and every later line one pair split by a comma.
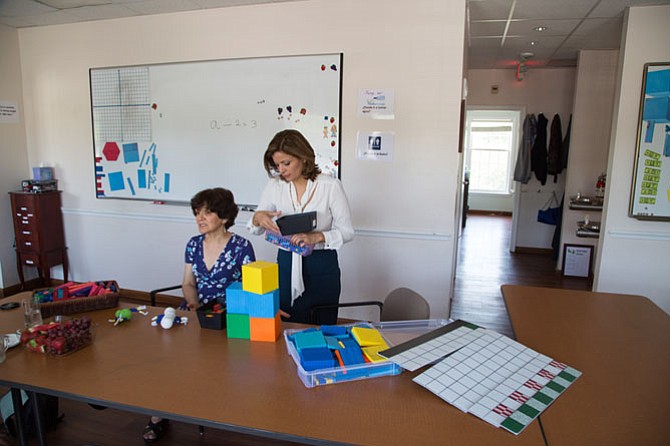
x,y
163,132
650,195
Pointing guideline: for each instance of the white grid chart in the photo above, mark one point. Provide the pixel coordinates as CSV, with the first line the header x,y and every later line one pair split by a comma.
x,y
488,375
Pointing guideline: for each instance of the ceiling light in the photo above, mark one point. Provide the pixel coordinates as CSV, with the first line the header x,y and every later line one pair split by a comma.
x,y
540,28
533,43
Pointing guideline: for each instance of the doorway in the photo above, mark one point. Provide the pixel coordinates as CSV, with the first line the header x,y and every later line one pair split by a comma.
x,y
491,141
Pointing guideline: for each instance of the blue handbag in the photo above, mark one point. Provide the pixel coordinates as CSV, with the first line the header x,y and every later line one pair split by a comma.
x,y
550,215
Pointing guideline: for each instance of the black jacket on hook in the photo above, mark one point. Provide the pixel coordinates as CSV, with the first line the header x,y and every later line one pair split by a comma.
x,y
554,157
538,154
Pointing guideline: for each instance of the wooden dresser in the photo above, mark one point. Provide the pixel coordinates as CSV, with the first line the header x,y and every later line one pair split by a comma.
x,y
38,231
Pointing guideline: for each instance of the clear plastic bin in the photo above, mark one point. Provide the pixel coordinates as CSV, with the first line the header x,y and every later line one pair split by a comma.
x,y
394,333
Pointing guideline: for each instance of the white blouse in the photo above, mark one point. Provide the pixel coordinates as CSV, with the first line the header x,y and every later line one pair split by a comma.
x,y
325,195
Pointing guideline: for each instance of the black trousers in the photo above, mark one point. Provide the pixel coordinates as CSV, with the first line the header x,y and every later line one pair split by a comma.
x,y
321,276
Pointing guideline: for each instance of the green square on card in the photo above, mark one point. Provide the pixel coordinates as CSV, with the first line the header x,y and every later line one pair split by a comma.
x,y
512,425
556,387
541,397
528,410
567,376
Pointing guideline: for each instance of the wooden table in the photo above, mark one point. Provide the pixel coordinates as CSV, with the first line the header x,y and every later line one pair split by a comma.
x,y
202,377
620,343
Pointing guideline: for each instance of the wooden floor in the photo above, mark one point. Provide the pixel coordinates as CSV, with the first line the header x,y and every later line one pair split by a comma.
x,y
484,264
83,425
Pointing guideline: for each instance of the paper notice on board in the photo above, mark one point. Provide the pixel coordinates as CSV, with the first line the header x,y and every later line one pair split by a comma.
x,y
376,103
377,146
9,112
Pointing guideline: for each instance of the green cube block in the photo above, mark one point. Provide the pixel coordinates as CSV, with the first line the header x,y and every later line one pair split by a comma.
x,y
237,326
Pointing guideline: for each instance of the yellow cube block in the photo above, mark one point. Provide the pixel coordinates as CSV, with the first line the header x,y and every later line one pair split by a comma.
x,y
260,277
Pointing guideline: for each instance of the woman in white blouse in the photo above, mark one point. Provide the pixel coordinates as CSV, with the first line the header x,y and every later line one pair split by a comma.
x,y
297,185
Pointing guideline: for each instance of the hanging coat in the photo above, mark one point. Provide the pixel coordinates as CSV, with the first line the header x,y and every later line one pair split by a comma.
x,y
538,154
554,166
522,168
566,145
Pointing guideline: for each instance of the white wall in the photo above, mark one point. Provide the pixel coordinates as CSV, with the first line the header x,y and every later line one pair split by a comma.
x,y
589,143
633,254
14,164
404,210
491,202
545,90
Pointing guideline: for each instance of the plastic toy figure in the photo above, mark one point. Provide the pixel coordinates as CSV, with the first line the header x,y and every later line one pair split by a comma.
x,y
168,318
126,314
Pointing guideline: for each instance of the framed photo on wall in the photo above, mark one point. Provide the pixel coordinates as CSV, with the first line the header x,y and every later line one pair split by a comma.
x,y
577,260
650,190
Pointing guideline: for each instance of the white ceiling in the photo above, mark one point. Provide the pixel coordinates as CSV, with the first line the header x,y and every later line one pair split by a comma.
x,y
498,31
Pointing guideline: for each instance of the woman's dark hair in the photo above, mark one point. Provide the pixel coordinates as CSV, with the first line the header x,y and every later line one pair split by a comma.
x,y
292,142
218,200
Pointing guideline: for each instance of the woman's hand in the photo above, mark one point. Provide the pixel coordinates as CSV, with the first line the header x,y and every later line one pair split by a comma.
x,y
265,219
308,238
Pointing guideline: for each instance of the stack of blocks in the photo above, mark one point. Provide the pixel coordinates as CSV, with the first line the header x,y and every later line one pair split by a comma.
x,y
253,304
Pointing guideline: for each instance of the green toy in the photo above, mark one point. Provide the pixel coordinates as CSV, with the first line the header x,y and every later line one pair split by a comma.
x,y
125,314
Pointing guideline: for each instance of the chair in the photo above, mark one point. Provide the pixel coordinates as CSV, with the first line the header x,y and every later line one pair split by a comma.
x,y
152,293
401,304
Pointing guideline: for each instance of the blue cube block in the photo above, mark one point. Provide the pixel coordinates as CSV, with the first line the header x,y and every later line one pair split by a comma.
x,y
263,305
315,358
236,299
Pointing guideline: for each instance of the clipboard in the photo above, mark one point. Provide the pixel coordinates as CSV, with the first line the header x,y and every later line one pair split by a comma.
x,y
297,223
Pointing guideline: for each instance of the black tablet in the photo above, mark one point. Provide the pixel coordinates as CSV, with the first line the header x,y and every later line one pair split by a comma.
x,y
297,223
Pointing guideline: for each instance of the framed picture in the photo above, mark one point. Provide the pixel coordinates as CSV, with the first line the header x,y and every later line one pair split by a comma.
x,y
577,260
650,190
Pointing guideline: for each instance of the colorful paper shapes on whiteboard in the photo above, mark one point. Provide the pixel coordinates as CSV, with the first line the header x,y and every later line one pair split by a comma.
x,y
130,186
131,154
141,178
111,151
116,181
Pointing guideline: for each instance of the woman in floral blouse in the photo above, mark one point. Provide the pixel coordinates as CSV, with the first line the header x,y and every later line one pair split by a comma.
x,y
214,258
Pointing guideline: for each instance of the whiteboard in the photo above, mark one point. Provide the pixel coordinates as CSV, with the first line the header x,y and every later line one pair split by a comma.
x,y
164,132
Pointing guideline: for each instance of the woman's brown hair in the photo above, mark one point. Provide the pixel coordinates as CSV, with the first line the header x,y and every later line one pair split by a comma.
x,y
292,142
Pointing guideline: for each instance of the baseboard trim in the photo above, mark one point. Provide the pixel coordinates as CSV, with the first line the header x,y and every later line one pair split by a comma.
x,y
480,212
16,289
526,250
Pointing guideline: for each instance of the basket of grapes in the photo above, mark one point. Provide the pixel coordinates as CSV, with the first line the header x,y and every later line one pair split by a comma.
x,y
59,339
